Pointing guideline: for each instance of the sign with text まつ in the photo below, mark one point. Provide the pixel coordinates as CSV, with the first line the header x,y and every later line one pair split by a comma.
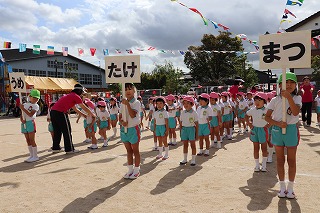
x,y
285,50
122,69
17,82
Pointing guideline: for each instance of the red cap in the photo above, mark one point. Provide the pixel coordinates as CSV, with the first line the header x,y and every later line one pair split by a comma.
x,y
189,99
102,103
170,97
240,93
89,104
214,95
205,95
224,94
261,95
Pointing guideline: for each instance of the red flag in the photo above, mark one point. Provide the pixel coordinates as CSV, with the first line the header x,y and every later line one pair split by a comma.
x,y
80,51
286,11
129,51
314,42
224,27
93,51
151,48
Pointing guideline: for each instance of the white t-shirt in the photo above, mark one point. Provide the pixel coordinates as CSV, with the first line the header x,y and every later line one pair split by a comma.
x,y
172,110
29,106
317,100
258,116
89,117
242,104
103,115
215,109
114,110
142,106
204,113
276,106
227,108
160,116
188,119
136,106
250,102
151,107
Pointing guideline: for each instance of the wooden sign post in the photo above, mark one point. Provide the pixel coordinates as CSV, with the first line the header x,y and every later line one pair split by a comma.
x,y
282,51
18,84
123,69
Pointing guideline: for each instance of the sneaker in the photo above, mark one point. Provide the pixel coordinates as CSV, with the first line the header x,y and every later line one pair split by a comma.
x,y
170,143
200,153
105,144
73,151
159,157
165,157
93,146
269,159
229,138
134,176
206,153
263,169
33,159
27,160
183,162
155,149
308,125
173,144
282,194
101,138
87,141
219,145
127,175
193,163
240,131
290,195
257,169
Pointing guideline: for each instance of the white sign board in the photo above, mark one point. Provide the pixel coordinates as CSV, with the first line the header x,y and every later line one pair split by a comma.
x,y
17,82
285,50
123,69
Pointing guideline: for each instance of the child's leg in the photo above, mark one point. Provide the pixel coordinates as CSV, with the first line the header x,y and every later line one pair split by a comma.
x,y
129,159
174,136
243,123
155,141
31,137
239,123
291,158
170,136
136,153
34,148
206,138
200,145
52,134
280,162
264,149
318,118
160,149
256,148
193,151
185,153
166,147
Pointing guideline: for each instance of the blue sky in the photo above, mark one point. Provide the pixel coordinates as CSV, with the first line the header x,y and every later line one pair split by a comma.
x,y
131,24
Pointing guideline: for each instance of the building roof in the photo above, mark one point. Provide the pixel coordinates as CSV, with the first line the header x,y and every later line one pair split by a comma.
x,y
12,55
303,22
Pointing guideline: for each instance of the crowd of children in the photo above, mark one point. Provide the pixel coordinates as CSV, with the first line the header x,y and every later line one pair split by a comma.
x,y
210,118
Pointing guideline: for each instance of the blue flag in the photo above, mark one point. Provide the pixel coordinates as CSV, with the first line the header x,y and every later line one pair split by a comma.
x,y
22,47
105,52
289,2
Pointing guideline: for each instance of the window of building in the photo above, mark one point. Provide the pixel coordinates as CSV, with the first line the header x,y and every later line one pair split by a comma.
x,y
96,79
40,73
20,70
51,64
53,74
85,79
72,66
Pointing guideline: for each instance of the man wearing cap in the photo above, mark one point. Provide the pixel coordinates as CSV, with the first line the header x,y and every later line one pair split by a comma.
x,y
60,120
307,99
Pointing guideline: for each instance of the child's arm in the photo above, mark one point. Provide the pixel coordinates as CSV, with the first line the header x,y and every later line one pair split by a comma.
x,y
30,114
248,121
109,122
167,126
295,109
269,119
197,126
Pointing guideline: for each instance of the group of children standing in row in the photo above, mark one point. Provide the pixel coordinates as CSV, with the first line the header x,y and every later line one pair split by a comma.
x,y
212,117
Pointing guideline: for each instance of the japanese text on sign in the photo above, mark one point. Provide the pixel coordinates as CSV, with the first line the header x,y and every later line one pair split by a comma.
x,y
290,50
17,82
122,69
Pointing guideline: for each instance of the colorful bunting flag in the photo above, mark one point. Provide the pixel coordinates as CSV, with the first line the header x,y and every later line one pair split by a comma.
x,y
65,51
299,2
181,52
162,51
93,51
118,51
197,11
314,42
140,49
214,24
224,27
317,37
80,52
151,48
7,44
36,49
50,50
22,47
129,51
286,11
105,52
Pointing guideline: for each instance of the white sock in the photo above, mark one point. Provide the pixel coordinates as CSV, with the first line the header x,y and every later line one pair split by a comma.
x,y
219,144
290,186
114,130
166,151
212,142
174,140
185,157
130,169
193,158
170,140
136,169
282,186
215,138
230,131
264,162
30,151
270,151
34,152
200,150
148,123
160,150
257,162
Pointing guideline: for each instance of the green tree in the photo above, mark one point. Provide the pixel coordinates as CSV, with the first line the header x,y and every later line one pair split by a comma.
x,y
245,71
71,73
210,67
315,64
115,88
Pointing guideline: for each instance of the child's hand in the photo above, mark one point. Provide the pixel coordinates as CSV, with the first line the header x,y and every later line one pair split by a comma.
x,y
285,94
125,124
267,126
108,128
250,125
21,106
283,124
23,121
125,102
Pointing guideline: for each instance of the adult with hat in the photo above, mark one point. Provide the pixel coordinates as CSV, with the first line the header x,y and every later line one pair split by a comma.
x,y
60,120
307,99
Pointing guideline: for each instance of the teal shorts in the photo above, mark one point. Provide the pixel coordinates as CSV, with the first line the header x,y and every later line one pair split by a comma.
x,y
204,130
290,139
188,133
141,114
178,113
214,121
103,124
28,127
132,136
231,116
160,130
93,128
172,123
259,134
318,109
113,117
50,127
152,125
225,118
241,114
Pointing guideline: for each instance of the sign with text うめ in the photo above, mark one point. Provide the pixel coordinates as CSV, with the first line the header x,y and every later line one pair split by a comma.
x,y
285,50
123,69
17,82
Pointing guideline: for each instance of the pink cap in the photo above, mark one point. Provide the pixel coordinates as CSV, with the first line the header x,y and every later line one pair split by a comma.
x,y
89,104
139,97
249,93
224,94
113,99
205,95
161,97
214,95
102,103
261,95
318,91
240,93
170,98
189,99
86,99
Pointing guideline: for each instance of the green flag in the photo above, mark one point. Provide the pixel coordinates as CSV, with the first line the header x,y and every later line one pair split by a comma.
x,y
36,49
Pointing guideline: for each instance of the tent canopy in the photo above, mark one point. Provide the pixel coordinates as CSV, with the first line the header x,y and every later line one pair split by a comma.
x,y
48,83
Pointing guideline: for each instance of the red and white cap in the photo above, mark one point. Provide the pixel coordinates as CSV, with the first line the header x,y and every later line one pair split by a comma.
x,y
189,99
240,93
89,103
214,95
161,97
224,94
261,95
139,97
205,95
102,103
170,98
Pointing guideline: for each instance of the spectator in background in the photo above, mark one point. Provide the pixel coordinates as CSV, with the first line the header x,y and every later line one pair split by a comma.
x,y
307,99
254,89
234,89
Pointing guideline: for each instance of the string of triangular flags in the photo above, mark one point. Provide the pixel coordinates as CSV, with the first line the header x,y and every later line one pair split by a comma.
x,y
81,51
287,13
216,25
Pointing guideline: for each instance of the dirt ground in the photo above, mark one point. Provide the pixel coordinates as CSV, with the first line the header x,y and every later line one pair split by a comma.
x,y
91,180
